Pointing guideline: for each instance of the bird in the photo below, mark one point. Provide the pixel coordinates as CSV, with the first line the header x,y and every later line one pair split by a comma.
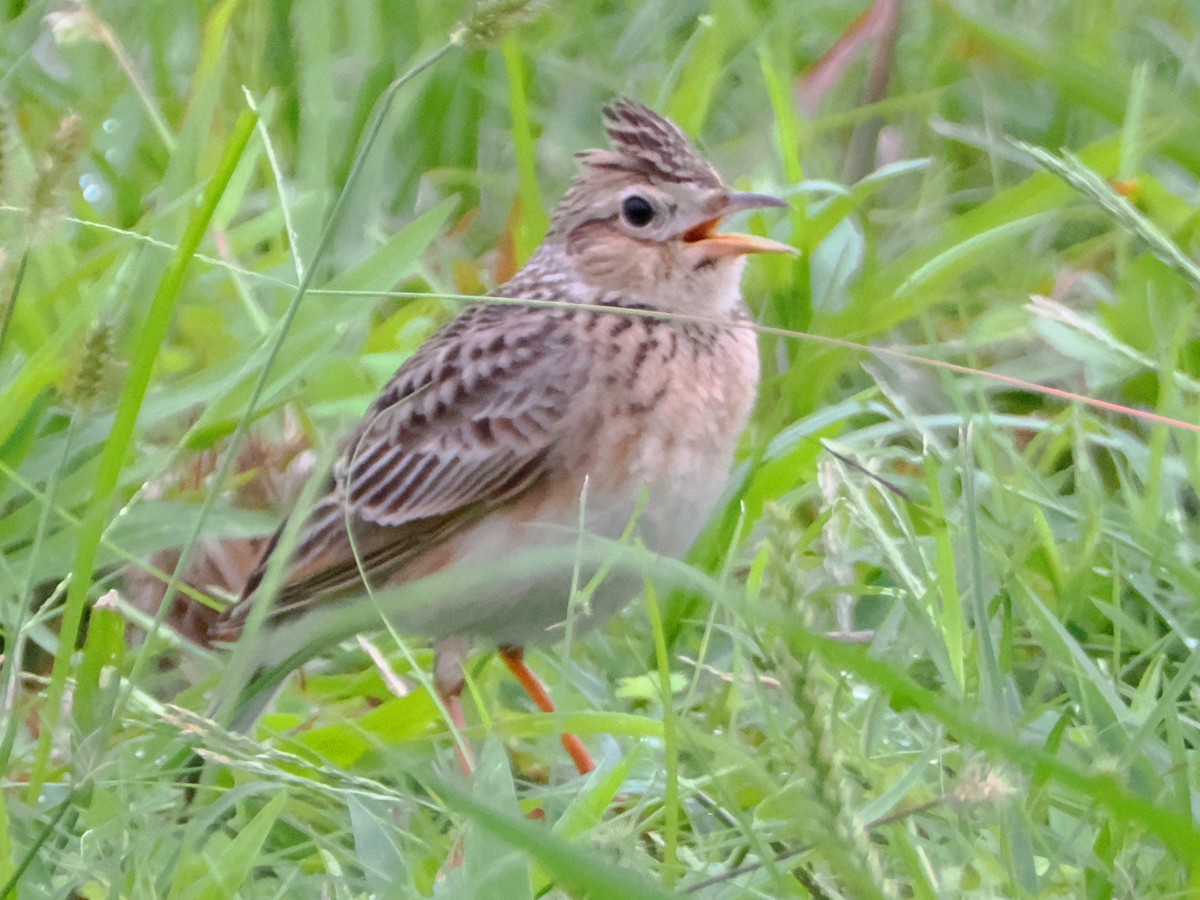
x,y
606,396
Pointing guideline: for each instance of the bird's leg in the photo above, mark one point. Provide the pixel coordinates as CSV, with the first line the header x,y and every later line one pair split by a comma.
x,y
514,658
448,680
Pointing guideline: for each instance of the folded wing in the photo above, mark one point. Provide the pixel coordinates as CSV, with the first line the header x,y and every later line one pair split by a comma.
x,y
464,426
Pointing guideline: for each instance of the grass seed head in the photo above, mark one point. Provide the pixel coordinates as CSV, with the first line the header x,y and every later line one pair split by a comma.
x,y
491,20
92,373
57,169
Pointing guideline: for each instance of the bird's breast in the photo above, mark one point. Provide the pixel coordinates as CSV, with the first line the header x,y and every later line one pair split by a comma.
x,y
649,443
665,409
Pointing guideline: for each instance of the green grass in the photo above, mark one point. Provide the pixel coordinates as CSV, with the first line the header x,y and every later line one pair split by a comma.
x,y
939,642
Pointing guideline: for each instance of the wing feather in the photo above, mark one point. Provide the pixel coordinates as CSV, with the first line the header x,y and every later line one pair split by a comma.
x,y
465,425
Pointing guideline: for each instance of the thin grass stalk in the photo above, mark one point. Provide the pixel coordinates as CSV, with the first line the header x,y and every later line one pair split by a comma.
x,y
145,353
532,221
228,461
671,868
13,294
16,641
9,889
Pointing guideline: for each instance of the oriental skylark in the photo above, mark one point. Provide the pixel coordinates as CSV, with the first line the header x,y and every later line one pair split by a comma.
x,y
516,425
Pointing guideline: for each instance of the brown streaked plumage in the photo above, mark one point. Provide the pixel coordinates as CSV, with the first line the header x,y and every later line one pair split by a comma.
x,y
483,442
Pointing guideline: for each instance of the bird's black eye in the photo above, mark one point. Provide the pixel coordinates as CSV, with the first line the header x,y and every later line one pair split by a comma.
x,y
637,211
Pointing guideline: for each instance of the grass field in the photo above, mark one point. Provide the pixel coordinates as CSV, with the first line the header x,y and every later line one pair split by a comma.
x,y
940,642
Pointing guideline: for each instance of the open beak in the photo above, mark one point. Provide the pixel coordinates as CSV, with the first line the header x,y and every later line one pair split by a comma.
x,y
715,245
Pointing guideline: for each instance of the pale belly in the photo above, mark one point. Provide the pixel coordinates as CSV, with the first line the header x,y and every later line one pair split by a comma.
x,y
649,481
522,580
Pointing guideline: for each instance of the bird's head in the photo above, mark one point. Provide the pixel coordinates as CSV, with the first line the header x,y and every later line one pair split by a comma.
x,y
641,218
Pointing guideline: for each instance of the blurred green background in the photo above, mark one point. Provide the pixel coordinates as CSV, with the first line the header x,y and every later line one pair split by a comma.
x,y
948,646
